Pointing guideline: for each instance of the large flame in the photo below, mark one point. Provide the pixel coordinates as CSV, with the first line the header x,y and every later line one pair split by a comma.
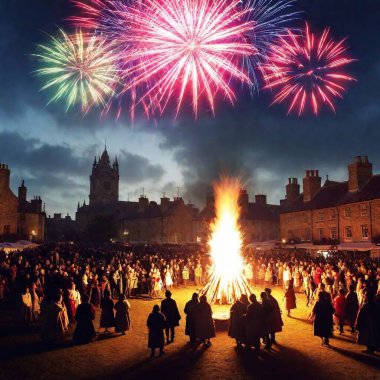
x,y
227,281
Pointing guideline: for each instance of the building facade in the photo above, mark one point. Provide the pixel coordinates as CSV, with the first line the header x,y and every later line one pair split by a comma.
x,y
19,218
335,213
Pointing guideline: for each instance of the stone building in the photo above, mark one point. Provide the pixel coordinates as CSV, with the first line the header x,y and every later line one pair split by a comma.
x,y
336,213
60,228
259,220
19,218
142,221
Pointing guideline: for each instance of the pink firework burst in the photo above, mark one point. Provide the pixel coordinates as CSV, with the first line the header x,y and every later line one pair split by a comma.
x,y
177,47
307,70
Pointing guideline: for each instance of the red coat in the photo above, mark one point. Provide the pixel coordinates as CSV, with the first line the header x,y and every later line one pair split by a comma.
x,y
340,304
290,299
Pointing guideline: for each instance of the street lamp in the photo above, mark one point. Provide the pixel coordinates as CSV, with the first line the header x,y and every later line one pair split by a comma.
x,y
125,234
33,234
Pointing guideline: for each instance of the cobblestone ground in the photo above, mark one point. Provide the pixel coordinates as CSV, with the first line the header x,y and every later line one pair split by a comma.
x,y
298,354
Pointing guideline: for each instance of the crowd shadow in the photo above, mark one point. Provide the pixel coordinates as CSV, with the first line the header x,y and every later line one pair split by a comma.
x,y
173,366
371,360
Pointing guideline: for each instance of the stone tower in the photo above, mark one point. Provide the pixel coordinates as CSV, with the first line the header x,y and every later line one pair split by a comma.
x,y
104,180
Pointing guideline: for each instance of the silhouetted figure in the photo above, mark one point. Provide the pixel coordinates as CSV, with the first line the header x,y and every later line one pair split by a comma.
x,y
190,311
122,317
352,307
204,324
156,324
368,324
107,318
267,319
323,318
170,310
84,330
277,319
238,309
253,327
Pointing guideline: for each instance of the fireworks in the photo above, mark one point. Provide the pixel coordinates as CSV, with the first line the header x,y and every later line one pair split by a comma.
x,y
80,68
227,280
308,70
188,45
271,19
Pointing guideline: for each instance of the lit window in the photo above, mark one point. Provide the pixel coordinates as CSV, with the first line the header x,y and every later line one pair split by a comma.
x,y
333,233
364,209
348,233
320,216
365,233
347,212
321,234
333,214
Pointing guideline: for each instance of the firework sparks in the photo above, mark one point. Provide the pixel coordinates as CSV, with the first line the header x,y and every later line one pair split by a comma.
x,y
271,19
308,70
188,45
227,280
81,69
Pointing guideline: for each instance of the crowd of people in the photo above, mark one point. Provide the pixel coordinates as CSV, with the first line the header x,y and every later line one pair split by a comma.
x,y
56,285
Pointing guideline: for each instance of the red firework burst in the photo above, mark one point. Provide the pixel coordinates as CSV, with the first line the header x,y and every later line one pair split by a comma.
x,y
307,70
180,46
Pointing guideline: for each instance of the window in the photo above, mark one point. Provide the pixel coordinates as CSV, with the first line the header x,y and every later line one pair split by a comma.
x,y
320,216
365,234
348,233
364,209
332,214
321,234
333,233
7,229
347,212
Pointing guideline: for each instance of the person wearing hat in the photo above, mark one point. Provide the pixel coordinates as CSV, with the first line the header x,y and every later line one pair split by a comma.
x,y
191,311
170,310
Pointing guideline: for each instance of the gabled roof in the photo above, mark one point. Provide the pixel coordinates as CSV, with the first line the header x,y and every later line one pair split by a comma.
x,y
334,194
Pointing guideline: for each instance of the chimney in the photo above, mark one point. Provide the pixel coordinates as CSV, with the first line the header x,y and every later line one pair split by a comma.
x,y
292,190
143,202
243,198
165,203
5,174
261,199
311,184
22,193
359,173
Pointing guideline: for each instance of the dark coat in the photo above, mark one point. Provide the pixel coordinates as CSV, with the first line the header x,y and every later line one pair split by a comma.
x,y
277,319
122,318
156,323
290,299
204,324
107,318
170,310
267,317
84,330
235,329
190,311
352,307
323,322
253,326
368,325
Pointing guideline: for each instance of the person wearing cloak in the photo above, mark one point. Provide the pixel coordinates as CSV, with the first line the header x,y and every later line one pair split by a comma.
x,y
170,310
156,324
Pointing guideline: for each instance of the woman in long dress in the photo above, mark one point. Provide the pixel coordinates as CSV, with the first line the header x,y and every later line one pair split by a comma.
x,y
122,317
290,298
168,278
204,324
84,330
156,324
323,318
107,318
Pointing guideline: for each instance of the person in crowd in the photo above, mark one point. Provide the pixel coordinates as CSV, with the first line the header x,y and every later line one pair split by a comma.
x,y
252,324
238,309
170,310
190,311
185,276
322,314
36,309
204,324
340,306
198,274
122,317
168,277
156,324
107,317
368,324
352,307
277,318
54,322
290,298
267,320
73,301
84,330
26,307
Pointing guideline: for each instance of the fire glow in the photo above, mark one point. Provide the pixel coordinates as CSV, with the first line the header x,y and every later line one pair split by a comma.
x,y
227,281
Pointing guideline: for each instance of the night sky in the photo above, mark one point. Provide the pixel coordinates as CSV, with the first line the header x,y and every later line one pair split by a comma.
x,y
54,150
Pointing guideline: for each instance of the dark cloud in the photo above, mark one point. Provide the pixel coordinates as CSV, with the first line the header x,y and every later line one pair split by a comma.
x,y
135,168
